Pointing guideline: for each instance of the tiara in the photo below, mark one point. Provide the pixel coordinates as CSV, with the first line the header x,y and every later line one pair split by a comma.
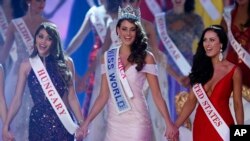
x,y
49,24
129,13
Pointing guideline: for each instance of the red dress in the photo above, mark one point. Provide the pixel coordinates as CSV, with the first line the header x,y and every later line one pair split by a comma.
x,y
243,37
203,130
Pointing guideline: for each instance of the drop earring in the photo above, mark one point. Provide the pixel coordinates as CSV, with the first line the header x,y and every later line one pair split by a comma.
x,y
220,55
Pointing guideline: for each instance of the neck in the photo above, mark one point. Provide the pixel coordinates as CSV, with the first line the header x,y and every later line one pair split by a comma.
x,y
216,61
125,49
179,10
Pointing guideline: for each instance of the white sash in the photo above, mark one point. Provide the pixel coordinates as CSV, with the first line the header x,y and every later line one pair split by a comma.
x,y
241,52
25,34
3,29
98,22
210,9
214,117
52,94
3,23
174,52
117,89
153,6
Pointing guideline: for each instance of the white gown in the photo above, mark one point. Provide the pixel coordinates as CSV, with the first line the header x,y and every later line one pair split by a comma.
x,y
20,123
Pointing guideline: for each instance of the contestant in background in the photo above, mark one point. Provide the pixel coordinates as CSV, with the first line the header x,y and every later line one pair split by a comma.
x,y
21,31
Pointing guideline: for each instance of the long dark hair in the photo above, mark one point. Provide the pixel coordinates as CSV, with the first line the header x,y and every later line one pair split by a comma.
x,y
138,48
202,69
56,51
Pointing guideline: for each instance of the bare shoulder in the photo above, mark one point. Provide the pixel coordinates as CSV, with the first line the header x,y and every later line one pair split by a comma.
x,y
237,71
150,59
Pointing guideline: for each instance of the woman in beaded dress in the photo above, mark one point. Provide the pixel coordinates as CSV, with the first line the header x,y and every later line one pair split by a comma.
x,y
44,122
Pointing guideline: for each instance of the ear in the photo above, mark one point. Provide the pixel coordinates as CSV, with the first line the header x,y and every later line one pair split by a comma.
x,y
118,31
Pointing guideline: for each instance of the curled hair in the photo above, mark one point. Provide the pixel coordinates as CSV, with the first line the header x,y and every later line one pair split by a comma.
x,y
139,46
202,69
56,52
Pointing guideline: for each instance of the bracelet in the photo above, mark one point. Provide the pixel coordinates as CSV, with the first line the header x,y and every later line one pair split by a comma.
x,y
80,122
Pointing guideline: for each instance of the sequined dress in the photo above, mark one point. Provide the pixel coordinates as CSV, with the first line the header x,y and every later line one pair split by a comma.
x,y
44,124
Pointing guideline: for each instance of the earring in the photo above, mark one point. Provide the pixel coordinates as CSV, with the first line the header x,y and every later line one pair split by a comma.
x,y
220,55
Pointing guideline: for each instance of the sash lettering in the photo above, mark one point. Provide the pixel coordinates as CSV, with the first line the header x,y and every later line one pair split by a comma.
x,y
241,52
116,86
214,117
52,94
25,34
174,52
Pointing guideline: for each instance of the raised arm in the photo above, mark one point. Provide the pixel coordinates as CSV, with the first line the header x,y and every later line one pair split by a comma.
x,y
237,96
100,102
3,107
17,99
80,36
5,52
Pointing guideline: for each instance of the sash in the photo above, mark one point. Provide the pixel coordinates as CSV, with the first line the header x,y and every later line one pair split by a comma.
x,y
117,88
153,6
52,94
174,52
241,52
98,22
214,117
25,34
210,9
3,23
3,29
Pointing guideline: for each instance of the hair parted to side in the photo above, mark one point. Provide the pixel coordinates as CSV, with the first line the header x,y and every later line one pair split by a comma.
x,y
139,47
56,51
202,69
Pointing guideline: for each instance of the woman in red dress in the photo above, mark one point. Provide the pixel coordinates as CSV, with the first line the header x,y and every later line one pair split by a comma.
x,y
219,78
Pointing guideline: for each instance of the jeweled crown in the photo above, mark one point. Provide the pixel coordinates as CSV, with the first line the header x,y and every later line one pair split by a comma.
x,y
129,12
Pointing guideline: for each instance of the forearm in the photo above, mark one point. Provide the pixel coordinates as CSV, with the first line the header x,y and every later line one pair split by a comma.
x,y
163,109
3,109
14,107
97,107
239,113
188,107
76,108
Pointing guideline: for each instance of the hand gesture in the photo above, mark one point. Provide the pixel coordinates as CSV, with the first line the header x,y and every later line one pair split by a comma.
x,y
79,134
172,133
7,135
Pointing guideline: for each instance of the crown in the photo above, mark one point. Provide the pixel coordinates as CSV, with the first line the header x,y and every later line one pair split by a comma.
x,y
49,24
129,13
